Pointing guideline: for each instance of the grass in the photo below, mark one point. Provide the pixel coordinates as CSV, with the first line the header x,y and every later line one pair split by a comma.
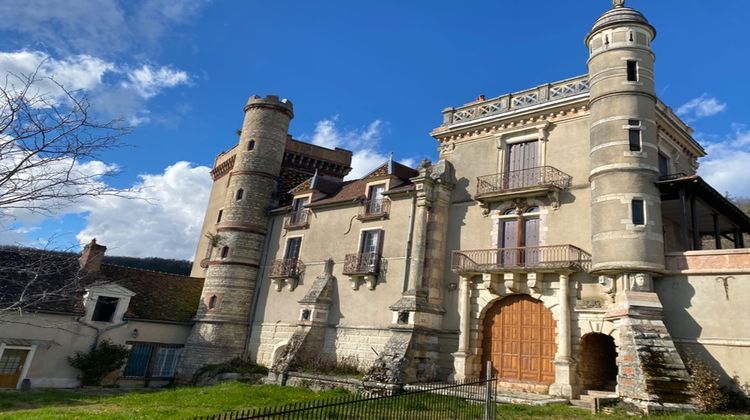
x,y
230,396
165,403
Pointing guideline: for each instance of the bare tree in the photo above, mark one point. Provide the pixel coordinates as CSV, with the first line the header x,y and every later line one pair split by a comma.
x,y
48,144
49,149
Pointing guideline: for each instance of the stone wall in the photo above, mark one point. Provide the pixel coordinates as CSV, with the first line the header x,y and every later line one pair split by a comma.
x,y
341,342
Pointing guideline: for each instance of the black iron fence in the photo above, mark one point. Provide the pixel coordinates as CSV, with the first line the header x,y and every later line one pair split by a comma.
x,y
472,399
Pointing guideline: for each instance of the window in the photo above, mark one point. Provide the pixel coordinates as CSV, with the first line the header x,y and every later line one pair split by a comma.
x,y
634,135
212,302
251,145
152,360
292,248
104,309
298,216
632,71
218,217
375,195
240,194
224,252
663,164
639,213
370,250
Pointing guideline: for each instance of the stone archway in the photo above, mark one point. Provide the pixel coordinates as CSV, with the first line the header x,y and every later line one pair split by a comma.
x,y
519,339
598,362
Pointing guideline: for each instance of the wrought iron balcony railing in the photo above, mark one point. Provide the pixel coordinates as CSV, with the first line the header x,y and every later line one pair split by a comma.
x,y
527,258
538,177
363,263
286,268
375,208
297,219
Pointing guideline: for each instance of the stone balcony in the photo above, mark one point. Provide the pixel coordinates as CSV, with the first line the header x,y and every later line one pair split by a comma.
x,y
552,258
286,272
363,266
541,180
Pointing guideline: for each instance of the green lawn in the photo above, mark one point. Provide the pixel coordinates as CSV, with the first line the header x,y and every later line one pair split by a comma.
x,y
230,396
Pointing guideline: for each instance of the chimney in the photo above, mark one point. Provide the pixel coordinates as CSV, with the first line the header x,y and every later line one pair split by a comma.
x,y
92,256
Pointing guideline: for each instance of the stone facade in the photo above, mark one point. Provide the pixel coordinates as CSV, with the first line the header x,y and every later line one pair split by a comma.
x,y
558,199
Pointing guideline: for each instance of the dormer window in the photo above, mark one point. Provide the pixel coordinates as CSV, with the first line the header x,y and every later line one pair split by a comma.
x,y
376,205
105,309
106,302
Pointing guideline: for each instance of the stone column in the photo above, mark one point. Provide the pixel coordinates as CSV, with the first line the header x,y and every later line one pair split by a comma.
x,y
563,363
419,242
460,358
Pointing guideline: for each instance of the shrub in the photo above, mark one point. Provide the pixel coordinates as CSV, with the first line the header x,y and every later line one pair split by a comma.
x,y
236,365
707,393
346,366
99,361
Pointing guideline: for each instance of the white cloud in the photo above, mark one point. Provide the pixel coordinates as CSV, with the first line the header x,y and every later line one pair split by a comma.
x,y
116,90
726,161
164,220
100,27
363,142
701,107
149,81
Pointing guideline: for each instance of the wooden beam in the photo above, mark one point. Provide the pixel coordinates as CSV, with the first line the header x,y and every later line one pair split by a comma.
x,y
717,232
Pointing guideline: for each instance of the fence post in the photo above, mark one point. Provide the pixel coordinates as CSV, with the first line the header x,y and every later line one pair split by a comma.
x,y
488,398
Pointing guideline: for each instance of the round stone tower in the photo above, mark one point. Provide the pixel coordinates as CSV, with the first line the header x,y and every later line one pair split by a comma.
x,y
625,205
223,314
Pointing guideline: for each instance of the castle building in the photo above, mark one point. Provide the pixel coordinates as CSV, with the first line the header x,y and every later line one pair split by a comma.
x,y
558,236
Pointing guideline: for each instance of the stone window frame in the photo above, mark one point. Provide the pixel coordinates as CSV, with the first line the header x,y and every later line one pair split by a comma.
x,y
112,290
535,132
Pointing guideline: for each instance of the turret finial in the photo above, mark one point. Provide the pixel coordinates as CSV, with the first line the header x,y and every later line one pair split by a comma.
x,y
618,3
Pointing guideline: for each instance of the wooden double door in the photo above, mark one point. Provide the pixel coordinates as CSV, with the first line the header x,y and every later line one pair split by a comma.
x,y
519,339
11,365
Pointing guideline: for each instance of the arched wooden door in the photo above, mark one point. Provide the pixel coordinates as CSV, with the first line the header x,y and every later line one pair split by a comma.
x,y
519,339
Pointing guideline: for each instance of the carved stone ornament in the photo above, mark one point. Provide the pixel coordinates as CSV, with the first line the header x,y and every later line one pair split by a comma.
x,y
618,3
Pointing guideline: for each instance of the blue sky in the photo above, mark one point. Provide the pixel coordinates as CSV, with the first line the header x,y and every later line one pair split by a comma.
x,y
370,76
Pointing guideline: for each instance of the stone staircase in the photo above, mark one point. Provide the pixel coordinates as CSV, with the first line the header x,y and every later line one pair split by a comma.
x,y
588,400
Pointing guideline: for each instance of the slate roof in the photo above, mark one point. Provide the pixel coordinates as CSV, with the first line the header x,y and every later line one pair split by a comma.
x,y
159,296
354,190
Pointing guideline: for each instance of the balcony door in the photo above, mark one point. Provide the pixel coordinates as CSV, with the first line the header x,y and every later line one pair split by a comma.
x,y
519,239
375,196
521,157
292,249
299,212
372,242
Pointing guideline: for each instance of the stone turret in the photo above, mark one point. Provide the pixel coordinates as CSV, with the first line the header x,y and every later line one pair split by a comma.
x,y
625,206
220,330
626,219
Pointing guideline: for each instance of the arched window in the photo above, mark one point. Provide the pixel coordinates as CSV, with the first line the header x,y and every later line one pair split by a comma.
x,y
240,194
224,252
509,212
251,145
532,209
212,302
